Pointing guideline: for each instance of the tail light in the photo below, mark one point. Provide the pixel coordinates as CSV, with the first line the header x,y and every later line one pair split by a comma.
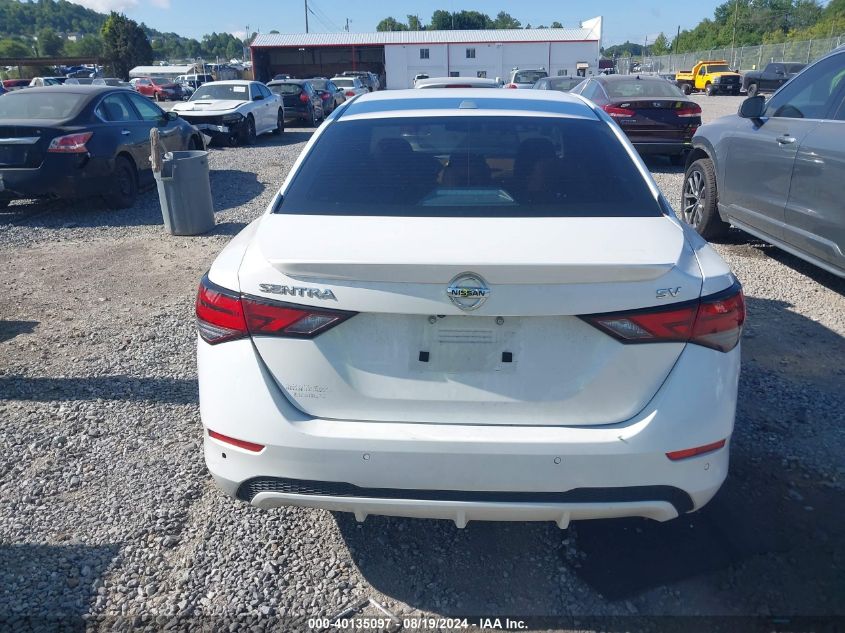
x,y
714,322
689,110
618,113
510,85
224,315
349,93
303,97
70,144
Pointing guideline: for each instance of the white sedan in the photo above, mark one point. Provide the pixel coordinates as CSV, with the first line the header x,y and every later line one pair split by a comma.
x,y
351,86
509,323
234,111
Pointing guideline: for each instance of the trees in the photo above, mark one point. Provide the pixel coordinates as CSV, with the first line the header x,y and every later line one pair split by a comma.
x,y
660,46
49,44
14,48
125,45
391,24
88,46
506,21
414,23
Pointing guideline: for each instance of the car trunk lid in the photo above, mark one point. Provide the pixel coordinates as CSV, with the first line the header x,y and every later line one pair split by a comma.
x,y
523,356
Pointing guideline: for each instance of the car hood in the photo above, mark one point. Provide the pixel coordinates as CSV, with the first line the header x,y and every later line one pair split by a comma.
x,y
208,106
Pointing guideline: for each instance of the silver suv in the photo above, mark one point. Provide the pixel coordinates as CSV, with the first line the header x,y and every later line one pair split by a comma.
x,y
776,170
525,77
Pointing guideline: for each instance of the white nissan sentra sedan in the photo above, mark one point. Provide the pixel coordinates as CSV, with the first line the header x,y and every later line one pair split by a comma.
x,y
507,323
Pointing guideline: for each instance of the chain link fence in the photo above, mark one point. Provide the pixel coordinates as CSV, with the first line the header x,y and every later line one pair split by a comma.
x,y
741,57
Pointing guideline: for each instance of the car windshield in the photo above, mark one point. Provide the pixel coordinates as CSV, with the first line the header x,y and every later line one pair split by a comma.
x,y
529,76
286,89
221,92
344,83
718,68
632,88
469,166
26,105
160,81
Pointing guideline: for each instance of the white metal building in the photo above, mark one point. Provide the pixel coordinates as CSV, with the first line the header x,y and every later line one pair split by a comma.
x,y
399,55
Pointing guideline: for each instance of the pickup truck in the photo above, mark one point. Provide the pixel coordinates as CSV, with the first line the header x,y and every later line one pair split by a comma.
x,y
711,76
772,77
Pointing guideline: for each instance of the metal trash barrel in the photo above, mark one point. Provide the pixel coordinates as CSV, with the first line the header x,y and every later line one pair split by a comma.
x,y
185,193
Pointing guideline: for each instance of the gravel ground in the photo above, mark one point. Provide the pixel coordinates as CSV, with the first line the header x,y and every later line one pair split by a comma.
x,y
107,512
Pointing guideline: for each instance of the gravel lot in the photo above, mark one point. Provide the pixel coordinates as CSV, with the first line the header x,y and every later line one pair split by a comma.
x,y
107,512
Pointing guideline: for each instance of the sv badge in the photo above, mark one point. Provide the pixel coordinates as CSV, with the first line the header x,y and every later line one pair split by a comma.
x,y
664,293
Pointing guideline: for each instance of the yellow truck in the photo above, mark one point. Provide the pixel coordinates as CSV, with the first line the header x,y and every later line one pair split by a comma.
x,y
712,76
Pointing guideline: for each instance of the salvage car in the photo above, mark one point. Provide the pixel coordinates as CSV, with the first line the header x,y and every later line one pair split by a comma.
x,y
577,358
159,88
77,141
331,94
776,170
351,86
652,112
563,84
525,77
301,100
234,111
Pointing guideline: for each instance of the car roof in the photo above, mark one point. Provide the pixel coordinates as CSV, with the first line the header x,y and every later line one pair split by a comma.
x,y
616,78
469,100
480,81
230,82
277,82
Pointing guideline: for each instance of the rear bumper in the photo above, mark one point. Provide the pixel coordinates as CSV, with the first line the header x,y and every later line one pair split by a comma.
x,y
297,113
663,147
70,176
466,472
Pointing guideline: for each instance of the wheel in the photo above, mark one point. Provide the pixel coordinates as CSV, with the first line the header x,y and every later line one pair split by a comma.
x,y
752,90
280,123
195,144
125,184
158,96
708,89
677,160
698,200
249,135
686,89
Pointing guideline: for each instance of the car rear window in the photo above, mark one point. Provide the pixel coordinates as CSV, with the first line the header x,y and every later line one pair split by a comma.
x,y
529,76
469,166
633,88
39,105
345,83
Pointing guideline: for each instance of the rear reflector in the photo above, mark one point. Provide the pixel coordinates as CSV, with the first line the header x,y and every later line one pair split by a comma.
x,y
70,144
349,93
714,321
249,446
511,86
224,315
698,450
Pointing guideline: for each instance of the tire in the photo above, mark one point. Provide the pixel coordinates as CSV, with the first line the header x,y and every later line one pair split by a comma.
x,y
125,182
195,144
698,201
249,136
158,97
280,123
686,89
709,90
752,90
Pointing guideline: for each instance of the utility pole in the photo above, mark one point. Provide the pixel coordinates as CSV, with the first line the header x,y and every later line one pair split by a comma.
x,y
306,16
347,25
733,37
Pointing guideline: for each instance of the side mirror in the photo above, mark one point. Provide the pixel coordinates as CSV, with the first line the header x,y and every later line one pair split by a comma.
x,y
753,107
258,98
170,116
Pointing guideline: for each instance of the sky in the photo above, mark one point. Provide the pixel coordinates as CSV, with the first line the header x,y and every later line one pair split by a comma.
x,y
623,19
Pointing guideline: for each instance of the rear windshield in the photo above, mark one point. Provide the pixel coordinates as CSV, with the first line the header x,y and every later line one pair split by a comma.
x,y
26,105
344,83
469,166
529,76
564,83
286,89
632,88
